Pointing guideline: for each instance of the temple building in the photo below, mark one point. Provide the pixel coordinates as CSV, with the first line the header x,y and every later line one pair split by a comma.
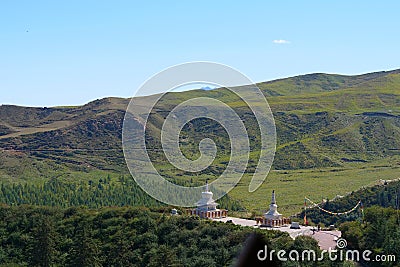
x,y
273,218
207,207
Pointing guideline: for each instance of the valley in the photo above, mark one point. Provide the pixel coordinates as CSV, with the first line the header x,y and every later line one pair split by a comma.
x,y
335,134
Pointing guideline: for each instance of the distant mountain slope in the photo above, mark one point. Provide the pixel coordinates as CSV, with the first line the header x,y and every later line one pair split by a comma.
x,y
319,82
322,120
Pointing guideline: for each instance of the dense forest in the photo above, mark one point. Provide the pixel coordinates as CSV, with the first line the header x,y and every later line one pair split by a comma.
x,y
69,224
92,194
126,236
379,232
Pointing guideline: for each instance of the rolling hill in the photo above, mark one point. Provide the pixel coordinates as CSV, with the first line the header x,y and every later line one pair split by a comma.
x,y
323,121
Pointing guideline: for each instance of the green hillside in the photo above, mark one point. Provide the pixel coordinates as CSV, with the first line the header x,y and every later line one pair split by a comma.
x,y
318,83
324,122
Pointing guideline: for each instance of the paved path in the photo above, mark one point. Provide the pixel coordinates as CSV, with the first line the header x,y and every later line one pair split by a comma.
x,y
326,239
238,221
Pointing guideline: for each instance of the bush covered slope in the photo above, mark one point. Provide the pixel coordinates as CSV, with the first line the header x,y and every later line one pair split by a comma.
x,y
322,120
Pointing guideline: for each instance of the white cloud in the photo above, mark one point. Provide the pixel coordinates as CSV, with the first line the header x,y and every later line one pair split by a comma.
x,y
281,41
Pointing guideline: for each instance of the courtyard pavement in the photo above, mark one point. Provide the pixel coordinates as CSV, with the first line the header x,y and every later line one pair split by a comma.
x,y
326,239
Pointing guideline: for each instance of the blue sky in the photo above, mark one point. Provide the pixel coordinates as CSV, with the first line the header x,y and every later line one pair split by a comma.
x,y
70,52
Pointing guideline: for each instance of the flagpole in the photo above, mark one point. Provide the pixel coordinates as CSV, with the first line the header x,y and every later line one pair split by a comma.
x,y
305,211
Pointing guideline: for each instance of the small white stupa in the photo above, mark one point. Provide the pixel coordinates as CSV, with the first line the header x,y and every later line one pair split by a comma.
x,y
273,213
273,218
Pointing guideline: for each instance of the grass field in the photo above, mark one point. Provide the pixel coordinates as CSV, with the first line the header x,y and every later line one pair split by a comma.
x,y
293,185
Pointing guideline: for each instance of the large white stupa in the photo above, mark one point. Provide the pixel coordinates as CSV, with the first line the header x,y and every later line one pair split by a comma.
x,y
206,203
207,207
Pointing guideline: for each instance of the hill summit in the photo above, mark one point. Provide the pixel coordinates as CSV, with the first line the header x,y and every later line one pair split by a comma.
x,y
323,120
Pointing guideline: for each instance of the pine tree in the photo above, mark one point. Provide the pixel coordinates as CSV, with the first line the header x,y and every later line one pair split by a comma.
x,y
43,246
85,251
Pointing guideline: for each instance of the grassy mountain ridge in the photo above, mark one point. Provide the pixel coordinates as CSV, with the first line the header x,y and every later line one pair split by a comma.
x,y
318,82
311,110
322,120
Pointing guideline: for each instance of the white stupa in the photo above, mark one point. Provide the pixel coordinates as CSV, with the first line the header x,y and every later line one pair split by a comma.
x,y
273,213
206,203
207,207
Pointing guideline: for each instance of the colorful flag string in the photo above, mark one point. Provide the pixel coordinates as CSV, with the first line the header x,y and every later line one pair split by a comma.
x,y
335,213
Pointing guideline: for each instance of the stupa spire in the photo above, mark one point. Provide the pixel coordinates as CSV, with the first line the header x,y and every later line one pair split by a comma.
x,y
273,209
273,200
